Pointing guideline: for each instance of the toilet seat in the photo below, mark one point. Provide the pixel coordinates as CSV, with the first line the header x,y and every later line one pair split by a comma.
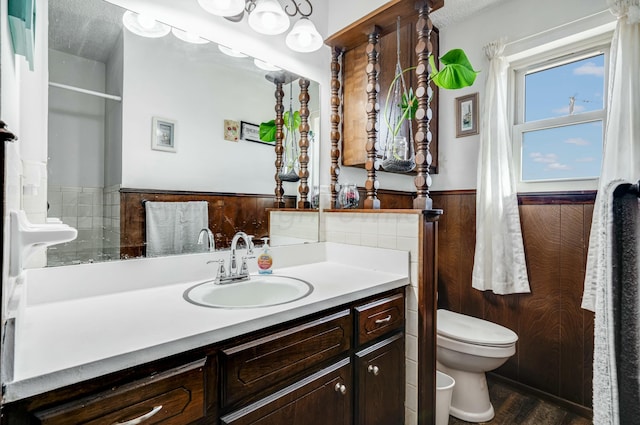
x,y
471,330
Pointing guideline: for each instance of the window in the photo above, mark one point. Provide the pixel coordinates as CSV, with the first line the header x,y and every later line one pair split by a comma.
x,y
560,113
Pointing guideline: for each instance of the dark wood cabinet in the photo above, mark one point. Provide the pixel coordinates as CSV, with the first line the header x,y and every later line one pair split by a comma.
x,y
174,397
300,372
380,381
321,398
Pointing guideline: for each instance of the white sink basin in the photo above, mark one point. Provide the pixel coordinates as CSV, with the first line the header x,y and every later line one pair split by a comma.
x,y
259,291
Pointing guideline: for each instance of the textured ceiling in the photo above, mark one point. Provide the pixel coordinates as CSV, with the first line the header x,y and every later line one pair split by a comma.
x,y
455,11
86,28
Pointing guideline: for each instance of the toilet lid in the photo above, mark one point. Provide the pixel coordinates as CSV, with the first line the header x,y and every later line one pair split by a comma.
x,y
473,330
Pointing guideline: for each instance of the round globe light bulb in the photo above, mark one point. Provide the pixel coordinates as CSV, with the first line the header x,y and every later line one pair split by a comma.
x,y
146,21
269,20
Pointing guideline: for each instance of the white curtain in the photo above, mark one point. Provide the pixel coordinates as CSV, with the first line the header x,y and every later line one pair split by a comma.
x,y
620,163
499,263
621,157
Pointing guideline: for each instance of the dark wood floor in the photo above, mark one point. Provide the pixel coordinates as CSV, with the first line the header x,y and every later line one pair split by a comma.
x,y
516,408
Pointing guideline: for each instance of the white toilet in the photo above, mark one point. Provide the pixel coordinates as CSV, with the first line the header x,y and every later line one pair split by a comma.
x,y
468,347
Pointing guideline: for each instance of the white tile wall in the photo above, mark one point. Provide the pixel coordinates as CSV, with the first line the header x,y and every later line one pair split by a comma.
x,y
110,215
85,208
292,227
395,231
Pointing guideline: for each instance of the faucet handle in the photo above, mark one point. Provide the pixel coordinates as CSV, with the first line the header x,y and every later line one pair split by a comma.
x,y
244,268
221,272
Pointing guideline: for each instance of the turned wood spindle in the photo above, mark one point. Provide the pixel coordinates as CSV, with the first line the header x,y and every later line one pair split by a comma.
x,y
336,103
279,108
372,108
423,137
303,187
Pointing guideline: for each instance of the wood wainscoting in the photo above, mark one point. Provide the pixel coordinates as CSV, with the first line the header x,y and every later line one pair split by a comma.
x,y
228,213
555,346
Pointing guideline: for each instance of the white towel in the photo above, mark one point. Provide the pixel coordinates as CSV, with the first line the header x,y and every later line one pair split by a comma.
x,y
173,227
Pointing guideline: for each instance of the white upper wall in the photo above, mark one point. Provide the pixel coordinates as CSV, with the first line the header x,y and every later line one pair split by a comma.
x,y
538,22
161,81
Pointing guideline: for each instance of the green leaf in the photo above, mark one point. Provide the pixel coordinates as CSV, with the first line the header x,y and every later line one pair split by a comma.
x,y
409,102
268,131
296,121
456,71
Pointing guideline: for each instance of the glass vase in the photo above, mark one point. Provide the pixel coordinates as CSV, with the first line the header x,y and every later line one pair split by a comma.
x,y
348,197
398,155
290,161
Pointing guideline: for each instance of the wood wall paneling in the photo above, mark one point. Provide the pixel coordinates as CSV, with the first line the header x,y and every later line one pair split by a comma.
x,y
572,265
228,213
539,312
354,136
555,348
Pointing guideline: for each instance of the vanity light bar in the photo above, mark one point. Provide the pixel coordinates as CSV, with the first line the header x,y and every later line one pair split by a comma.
x,y
231,52
265,65
188,37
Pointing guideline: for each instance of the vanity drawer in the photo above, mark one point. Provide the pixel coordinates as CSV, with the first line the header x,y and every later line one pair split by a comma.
x,y
174,397
263,362
378,317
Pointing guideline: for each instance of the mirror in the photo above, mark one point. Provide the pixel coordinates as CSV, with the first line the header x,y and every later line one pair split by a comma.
x,y
158,135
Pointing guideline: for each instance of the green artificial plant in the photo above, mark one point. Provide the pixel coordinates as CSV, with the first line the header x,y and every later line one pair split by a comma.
x,y
455,73
268,129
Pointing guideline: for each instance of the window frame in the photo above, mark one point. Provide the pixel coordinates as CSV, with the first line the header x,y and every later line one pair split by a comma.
x,y
554,57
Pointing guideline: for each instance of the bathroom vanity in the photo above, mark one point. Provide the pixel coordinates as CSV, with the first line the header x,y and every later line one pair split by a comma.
x,y
334,355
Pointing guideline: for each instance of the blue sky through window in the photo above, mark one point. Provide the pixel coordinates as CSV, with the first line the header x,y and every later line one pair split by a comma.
x,y
554,92
571,151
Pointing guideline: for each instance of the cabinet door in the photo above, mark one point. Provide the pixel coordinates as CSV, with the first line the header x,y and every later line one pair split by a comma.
x,y
380,379
322,398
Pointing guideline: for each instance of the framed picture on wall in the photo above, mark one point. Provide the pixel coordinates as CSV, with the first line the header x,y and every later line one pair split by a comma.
x,y
251,132
163,135
467,115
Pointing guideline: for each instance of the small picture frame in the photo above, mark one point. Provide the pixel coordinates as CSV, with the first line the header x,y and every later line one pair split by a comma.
x,y
231,130
251,133
163,135
467,115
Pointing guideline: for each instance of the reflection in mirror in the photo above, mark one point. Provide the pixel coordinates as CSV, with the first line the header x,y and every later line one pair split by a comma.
x,y
137,122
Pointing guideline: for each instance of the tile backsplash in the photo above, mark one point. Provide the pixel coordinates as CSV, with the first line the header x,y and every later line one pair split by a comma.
x,y
91,211
393,231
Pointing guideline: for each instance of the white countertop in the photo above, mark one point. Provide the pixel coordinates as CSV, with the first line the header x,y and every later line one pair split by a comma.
x,y
61,340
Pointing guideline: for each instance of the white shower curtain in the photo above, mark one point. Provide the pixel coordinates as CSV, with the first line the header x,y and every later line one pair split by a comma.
x,y
499,263
621,157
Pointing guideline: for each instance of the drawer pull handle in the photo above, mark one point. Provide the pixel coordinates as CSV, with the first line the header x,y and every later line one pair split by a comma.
x,y
340,388
373,369
385,320
140,419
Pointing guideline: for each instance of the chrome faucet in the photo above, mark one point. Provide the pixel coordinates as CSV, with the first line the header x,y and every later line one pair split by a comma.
x,y
211,244
233,264
234,273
